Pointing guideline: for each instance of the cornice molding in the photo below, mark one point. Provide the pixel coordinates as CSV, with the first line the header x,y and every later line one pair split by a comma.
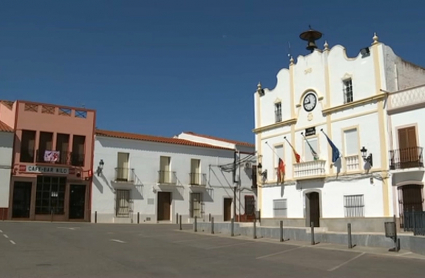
x,y
353,104
276,125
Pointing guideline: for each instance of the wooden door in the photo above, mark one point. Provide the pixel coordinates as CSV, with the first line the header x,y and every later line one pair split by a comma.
x,y
313,209
227,210
164,205
409,155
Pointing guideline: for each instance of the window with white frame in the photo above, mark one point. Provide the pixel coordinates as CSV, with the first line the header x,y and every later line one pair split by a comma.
x,y
354,206
280,208
278,111
308,155
351,154
348,90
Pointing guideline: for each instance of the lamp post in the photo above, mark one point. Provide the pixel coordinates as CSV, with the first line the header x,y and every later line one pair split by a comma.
x,y
367,158
100,167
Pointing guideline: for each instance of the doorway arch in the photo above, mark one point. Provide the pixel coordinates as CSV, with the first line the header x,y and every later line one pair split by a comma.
x,y
312,208
410,197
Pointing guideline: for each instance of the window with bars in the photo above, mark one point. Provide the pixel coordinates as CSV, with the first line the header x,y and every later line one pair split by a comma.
x,y
123,203
348,90
195,205
354,205
50,195
278,111
280,208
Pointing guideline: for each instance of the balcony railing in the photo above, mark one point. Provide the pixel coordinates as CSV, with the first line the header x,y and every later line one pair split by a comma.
x,y
167,177
352,163
124,174
77,159
63,158
305,170
198,179
406,158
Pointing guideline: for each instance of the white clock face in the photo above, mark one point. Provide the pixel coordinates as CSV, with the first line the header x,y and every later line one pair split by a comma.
x,y
310,102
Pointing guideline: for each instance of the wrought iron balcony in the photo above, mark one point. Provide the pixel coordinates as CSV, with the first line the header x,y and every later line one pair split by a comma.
x,y
167,177
198,179
124,174
310,169
406,158
63,158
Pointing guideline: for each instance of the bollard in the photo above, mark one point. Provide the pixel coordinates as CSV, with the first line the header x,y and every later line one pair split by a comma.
x,y
232,227
209,217
180,219
350,244
95,217
195,224
4,212
212,225
281,231
312,233
255,229
177,218
138,217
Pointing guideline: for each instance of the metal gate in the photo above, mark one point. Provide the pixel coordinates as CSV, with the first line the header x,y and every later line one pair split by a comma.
x,y
409,199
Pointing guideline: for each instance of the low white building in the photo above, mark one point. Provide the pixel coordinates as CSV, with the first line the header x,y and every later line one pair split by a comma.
x,y
143,178
6,149
327,98
406,125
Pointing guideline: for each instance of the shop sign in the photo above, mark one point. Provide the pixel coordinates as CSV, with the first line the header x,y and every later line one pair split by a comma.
x,y
47,170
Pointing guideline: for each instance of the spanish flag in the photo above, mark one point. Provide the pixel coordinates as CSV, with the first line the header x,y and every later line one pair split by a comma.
x,y
281,171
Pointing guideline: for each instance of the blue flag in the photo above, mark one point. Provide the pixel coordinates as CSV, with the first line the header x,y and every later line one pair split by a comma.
x,y
335,151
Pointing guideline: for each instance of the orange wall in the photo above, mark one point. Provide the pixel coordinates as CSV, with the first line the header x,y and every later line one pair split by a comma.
x,y
38,121
7,115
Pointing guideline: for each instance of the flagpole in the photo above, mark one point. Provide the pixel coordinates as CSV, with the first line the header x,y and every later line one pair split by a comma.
x,y
293,149
273,150
313,152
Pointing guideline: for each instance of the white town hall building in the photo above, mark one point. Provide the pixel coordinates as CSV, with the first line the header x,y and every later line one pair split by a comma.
x,y
375,164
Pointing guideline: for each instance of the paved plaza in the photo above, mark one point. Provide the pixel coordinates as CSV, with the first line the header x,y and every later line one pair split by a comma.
x,y
35,249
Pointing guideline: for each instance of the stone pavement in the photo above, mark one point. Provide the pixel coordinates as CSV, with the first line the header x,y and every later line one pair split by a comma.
x,y
36,249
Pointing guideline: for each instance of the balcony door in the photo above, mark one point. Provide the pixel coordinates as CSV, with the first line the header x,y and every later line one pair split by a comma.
x,y
123,166
408,148
195,165
165,169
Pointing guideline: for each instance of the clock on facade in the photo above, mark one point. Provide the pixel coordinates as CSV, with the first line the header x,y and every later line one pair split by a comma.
x,y
310,101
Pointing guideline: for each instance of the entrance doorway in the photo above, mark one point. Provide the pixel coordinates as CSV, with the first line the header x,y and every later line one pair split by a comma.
x,y
164,205
21,199
312,209
77,201
410,198
227,210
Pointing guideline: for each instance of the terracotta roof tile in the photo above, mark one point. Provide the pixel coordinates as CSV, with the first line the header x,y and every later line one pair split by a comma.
x,y
151,138
221,139
4,127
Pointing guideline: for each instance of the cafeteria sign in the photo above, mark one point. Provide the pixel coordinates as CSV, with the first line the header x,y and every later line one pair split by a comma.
x,y
46,169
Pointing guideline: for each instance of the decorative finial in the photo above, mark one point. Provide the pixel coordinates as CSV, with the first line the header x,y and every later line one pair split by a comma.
x,y
326,46
259,86
375,39
291,61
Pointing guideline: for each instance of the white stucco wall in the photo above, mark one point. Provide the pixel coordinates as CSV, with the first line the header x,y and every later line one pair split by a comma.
x,y
6,149
310,74
145,160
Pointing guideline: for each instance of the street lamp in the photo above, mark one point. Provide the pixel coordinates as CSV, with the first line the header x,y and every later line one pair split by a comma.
x,y
367,158
100,167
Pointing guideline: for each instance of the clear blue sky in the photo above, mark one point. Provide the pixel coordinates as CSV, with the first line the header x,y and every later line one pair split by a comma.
x,y
165,66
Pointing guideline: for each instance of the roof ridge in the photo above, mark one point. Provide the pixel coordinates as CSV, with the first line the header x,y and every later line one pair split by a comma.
x,y
154,138
220,139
